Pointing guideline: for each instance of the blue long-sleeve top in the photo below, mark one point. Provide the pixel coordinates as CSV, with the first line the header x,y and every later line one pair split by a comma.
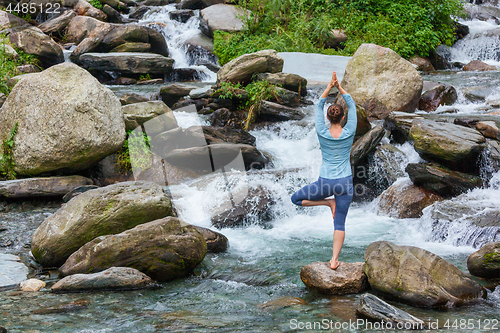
x,y
336,152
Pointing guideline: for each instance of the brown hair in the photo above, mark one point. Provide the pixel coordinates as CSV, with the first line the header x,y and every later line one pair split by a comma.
x,y
335,113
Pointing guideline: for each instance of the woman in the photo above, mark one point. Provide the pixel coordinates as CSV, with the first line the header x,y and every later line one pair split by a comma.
x,y
335,177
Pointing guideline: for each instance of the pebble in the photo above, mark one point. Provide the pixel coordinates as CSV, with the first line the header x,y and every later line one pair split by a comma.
x,y
32,285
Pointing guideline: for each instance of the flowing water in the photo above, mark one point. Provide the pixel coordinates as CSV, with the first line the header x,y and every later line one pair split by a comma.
x,y
229,291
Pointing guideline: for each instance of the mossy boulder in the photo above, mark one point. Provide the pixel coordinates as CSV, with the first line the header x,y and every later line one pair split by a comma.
x,y
485,263
66,120
104,211
418,277
164,249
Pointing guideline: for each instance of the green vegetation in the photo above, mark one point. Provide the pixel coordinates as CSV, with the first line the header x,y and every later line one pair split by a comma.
x,y
96,3
146,77
258,91
407,27
136,152
8,64
6,158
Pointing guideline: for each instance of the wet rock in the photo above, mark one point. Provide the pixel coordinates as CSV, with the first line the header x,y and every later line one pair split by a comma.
x,y
281,303
209,65
82,27
348,278
488,129
451,145
164,249
41,187
415,276
190,4
485,263
422,64
477,94
149,82
32,285
441,180
156,117
32,40
385,166
439,95
114,278
125,81
224,117
131,98
374,308
171,93
249,209
57,24
227,134
366,144
74,129
139,12
270,111
404,200
12,270
399,123
77,191
132,47
181,15
63,308
84,8
494,153
134,33
216,242
127,62
104,211
372,64
244,67
200,41
221,17
461,30
336,39
476,65
288,81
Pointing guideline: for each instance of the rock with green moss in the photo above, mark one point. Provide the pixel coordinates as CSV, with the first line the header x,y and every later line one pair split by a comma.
x,y
66,120
457,147
104,211
415,276
485,263
164,249
381,81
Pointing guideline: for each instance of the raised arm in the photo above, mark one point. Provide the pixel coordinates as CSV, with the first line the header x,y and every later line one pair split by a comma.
x,y
320,116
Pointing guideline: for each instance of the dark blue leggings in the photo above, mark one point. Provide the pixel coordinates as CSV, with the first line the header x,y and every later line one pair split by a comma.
x,y
323,188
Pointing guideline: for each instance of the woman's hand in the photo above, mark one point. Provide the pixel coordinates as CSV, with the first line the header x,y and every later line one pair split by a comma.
x,y
334,82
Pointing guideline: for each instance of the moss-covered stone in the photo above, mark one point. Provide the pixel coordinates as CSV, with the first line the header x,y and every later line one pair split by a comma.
x,y
164,249
485,262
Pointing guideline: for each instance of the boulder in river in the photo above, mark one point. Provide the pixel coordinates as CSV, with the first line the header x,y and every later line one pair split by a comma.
x,y
439,95
131,98
348,278
485,262
104,211
415,276
221,17
368,68
422,64
404,200
372,307
216,242
455,146
134,33
42,187
32,40
242,69
57,24
81,27
476,65
366,144
447,183
270,111
288,81
489,129
494,153
154,115
163,249
66,121
83,8
170,94
114,278
128,62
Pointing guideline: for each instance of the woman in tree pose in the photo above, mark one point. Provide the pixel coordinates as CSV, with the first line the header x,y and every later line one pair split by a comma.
x,y
335,176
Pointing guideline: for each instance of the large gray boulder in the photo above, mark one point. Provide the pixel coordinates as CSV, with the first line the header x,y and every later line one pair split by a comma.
x,y
42,187
221,17
404,200
242,69
104,211
66,121
127,62
438,179
455,146
33,41
485,263
348,278
415,276
164,249
114,278
381,81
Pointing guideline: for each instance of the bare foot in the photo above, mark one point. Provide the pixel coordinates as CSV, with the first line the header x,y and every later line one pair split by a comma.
x,y
332,205
334,264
